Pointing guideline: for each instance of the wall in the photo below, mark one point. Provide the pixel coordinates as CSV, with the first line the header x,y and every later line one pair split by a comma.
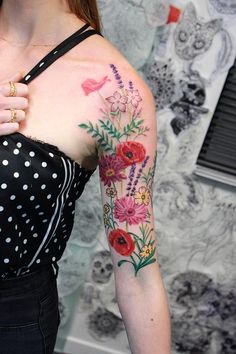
x,y
195,218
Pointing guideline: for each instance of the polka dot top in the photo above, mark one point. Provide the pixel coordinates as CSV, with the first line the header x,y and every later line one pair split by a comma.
x,y
39,185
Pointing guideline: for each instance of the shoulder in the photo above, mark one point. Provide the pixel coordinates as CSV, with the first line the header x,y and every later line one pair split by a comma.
x,y
104,71
118,103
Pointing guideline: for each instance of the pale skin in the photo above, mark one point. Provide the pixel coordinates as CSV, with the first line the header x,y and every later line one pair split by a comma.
x,y
52,107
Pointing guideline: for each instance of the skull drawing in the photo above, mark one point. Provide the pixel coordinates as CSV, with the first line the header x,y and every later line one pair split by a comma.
x,y
102,267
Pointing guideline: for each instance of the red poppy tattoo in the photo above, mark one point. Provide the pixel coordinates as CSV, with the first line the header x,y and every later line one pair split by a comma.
x,y
131,152
122,242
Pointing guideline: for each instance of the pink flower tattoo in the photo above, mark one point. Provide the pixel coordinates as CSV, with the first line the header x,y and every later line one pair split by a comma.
x,y
133,97
91,85
126,210
111,169
118,102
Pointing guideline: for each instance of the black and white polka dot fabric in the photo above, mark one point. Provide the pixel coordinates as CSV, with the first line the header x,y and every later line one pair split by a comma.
x,y
38,189
39,185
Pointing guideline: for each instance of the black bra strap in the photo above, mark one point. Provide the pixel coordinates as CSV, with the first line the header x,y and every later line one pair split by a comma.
x,y
58,51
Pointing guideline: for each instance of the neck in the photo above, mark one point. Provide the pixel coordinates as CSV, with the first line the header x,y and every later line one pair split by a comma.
x,y
36,22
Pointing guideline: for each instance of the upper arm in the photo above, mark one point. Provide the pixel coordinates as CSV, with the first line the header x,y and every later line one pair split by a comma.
x,y
126,136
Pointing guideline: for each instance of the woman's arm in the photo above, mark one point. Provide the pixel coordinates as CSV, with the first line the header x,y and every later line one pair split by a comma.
x,y
126,139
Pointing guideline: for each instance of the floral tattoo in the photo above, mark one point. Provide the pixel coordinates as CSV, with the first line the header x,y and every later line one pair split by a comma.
x,y
123,158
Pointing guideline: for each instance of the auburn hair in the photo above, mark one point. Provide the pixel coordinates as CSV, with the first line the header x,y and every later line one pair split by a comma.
x,y
85,10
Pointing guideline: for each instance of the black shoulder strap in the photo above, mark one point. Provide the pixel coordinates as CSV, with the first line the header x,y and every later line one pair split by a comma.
x,y
58,51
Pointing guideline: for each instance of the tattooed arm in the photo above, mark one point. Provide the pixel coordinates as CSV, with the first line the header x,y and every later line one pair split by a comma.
x,y
125,132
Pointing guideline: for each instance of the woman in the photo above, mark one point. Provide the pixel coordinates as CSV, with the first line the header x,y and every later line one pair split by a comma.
x,y
81,106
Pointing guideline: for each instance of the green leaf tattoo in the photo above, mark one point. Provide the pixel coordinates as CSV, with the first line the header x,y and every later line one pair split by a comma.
x,y
102,138
111,129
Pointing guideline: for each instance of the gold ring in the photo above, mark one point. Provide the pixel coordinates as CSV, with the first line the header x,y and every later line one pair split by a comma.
x,y
12,92
13,115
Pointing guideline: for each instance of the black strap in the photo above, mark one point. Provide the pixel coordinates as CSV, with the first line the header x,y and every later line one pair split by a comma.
x,y
58,51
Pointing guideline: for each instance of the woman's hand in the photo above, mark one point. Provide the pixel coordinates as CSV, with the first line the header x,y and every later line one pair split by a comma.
x,y
19,102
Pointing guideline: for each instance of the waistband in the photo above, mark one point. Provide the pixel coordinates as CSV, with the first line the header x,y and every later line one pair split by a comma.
x,y
28,282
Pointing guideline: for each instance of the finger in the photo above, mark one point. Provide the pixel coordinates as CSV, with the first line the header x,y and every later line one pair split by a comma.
x,y
17,76
13,102
8,128
22,90
6,115
14,78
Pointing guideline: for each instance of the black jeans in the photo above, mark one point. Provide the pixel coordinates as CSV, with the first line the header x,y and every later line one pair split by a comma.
x,y
29,314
